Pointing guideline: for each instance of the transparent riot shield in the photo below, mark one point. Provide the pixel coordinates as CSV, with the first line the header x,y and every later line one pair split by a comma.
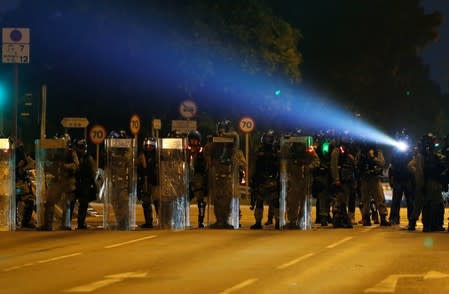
x,y
224,188
295,203
7,186
120,191
173,173
54,184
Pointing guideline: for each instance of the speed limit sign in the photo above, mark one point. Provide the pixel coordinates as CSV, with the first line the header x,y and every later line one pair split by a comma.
x,y
246,124
134,124
97,134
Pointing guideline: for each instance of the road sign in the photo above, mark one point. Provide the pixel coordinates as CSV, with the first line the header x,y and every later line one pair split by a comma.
x,y
74,122
97,134
16,45
246,124
134,124
183,126
157,124
187,109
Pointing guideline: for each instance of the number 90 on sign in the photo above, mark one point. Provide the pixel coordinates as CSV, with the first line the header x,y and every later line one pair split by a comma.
x,y
97,134
246,124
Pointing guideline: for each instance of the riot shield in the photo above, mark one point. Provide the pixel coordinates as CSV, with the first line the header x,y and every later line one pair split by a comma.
x,y
7,186
52,189
120,192
295,203
173,173
224,183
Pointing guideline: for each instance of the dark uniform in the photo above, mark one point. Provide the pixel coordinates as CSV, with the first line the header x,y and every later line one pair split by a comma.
x,y
265,184
322,183
428,168
343,171
401,181
197,174
371,165
148,180
86,190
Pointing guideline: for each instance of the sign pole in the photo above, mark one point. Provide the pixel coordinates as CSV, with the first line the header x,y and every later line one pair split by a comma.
x,y
98,155
247,162
15,100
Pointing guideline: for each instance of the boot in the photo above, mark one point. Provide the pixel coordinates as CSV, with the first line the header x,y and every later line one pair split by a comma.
x,y
323,222
411,225
256,226
147,213
48,218
27,214
366,220
384,222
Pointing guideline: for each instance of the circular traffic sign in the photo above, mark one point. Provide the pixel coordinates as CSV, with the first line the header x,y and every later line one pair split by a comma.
x,y
15,35
187,109
134,124
246,124
97,134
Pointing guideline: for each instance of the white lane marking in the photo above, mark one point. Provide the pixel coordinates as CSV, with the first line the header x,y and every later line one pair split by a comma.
x,y
129,242
12,268
110,279
294,261
58,257
239,286
338,243
41,261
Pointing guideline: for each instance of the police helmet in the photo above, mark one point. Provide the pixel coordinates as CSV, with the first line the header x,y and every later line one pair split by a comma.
x,y
268,138
194,135
428,142
81,144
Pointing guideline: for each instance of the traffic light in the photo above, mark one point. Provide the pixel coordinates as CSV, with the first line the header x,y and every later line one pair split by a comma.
x,y
325,148
277,92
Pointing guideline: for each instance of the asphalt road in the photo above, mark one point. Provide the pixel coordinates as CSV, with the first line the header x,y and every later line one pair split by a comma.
x,y
323,260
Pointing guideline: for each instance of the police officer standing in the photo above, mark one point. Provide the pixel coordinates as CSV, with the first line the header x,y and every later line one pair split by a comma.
x,y
401,179
322,180
371,166
265,184
428,168
197,174
85,182
343,171
148,180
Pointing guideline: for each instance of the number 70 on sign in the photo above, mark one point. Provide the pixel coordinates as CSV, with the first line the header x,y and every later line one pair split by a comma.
x,y
246,124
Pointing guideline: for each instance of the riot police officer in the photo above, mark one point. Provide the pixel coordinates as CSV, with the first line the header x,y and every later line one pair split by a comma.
x,y
371,166
85,186
225,160
428,168
343,172
322,180
148,180
401,179
61,185
265,184
24,189
197,174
